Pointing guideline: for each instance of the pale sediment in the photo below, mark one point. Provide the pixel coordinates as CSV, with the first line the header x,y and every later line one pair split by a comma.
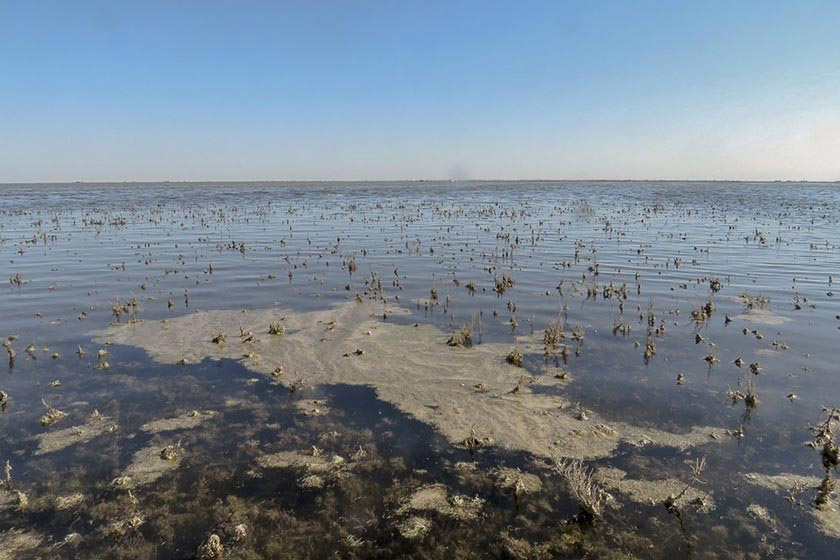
x,y
459,391
57,440
186,421
310,463
436,498
518,481
149,464
827,519
653,492
761,316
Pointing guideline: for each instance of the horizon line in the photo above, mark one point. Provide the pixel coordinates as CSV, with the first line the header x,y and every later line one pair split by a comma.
x,y
245,181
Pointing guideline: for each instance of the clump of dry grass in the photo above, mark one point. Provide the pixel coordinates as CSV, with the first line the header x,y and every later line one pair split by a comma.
x,y
351,265
829,453
552,338
752,302
702,313
52,416
211,549
503,283
523,380
276,328
650,348
515,357
696,468
473,441
462,338
171,452
118,308
592,498
749,395
621,326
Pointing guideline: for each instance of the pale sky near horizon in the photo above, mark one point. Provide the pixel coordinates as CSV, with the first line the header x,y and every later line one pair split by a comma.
x,y
213,90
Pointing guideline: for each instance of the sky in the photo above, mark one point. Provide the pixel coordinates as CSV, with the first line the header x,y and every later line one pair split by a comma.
x,y
355,90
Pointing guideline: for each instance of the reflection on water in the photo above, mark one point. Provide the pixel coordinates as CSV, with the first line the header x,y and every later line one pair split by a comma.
x,y
691,275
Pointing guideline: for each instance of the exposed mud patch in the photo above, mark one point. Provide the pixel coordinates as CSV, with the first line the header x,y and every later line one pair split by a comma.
x,y
653,492
186,421
827,519
761,316
518,481
310,463
50,442
149,464
460,391
436,498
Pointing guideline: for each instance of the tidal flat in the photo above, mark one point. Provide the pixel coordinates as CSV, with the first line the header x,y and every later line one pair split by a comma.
x,y
420,370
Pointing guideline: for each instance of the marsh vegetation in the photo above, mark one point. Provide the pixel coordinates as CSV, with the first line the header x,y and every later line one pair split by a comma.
x,y
417,370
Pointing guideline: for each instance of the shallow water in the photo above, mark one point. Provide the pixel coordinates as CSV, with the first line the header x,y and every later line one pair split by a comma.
x,y
79,247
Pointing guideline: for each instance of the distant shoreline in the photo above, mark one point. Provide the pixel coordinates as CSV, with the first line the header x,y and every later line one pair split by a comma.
x,y
406,181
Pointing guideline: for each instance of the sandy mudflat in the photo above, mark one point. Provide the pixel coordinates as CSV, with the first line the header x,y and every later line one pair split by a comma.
x,y
57,440
147,465
827,519
185,421
653,491
409,366
762,317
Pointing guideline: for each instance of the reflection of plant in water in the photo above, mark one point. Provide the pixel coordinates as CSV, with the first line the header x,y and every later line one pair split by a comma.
x,y
749,395
750,398
650,349
829,453
621,326
696,468
7,344
7,475
578,333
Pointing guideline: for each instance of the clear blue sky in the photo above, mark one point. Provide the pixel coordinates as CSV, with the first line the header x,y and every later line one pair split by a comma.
x,y
118,90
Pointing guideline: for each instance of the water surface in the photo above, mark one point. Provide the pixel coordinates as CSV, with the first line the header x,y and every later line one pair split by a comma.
x,y
176,248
